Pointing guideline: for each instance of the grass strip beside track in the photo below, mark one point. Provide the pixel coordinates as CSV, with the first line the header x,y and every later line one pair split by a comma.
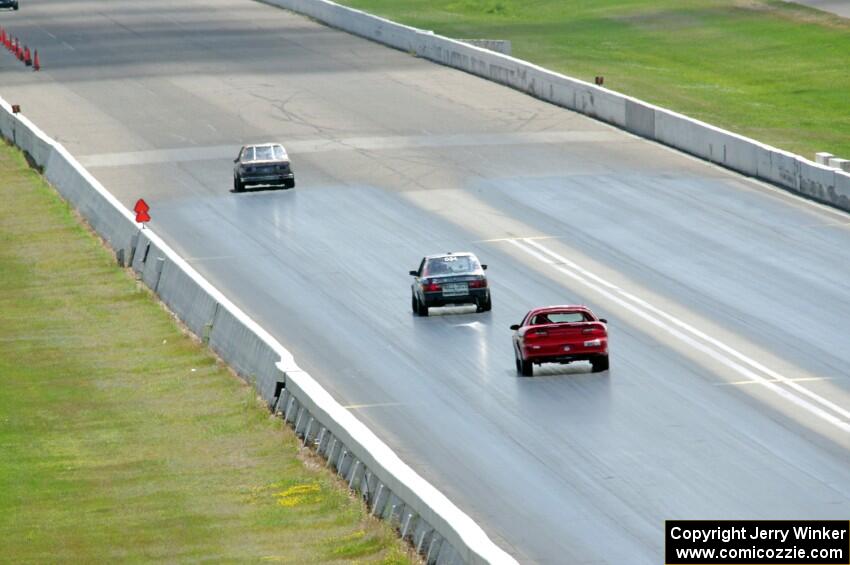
x,y
766,69
122,438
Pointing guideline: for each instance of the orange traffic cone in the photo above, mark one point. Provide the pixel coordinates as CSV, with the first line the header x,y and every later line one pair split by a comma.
x,y
27,57
36,65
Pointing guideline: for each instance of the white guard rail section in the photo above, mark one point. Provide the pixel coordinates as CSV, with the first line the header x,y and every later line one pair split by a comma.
x,y
439,530
718,146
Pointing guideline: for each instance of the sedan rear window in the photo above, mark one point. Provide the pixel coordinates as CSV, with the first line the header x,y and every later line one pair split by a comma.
x,y
279,153
560,318
263,153
450,265
248,154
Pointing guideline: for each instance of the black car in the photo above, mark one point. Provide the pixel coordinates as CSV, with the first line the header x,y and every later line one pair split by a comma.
x,y
450,279
265,164
9,4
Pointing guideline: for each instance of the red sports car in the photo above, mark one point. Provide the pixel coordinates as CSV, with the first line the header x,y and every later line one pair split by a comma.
x,y
560,334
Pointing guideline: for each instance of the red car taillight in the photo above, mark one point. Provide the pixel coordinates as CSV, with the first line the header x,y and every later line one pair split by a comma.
x,y
536,333
478,283
431,287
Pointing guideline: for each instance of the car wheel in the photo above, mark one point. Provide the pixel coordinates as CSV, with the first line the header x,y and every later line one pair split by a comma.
x,y
289,184
421,309
237,185
488,305
599,364
414,304
524,368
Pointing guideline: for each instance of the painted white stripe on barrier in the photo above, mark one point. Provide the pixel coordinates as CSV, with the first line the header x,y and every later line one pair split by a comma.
x,y
693,337
466,537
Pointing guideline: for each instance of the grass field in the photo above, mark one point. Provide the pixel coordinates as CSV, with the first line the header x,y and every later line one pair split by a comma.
x,y
122,439
766,69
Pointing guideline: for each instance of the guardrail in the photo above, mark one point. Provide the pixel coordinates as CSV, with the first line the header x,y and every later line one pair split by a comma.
x,y
702,140
437,528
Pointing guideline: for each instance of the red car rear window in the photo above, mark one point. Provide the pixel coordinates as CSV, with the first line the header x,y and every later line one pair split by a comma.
x,y
560,318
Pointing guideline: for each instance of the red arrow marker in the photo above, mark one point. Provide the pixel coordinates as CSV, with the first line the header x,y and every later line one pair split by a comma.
x,y
141,209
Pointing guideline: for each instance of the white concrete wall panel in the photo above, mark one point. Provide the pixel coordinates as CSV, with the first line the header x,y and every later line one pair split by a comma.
x,y
187,299
640,118
252,357
817,181
842,190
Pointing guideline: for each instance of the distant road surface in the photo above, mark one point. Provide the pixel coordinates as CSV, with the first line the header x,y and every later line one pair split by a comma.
x,y
840,7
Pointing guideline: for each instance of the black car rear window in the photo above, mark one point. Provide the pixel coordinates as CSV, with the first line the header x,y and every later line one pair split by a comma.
x,y
450,265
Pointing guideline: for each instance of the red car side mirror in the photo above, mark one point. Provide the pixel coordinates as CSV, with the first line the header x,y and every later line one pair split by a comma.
x,y
515,327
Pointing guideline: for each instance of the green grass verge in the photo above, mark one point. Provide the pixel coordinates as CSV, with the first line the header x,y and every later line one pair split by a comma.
x,y
766,69
123,439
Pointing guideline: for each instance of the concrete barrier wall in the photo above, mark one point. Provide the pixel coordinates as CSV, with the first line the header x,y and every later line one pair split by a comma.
x,y
424,516
705,141
818,181
252,357
187,299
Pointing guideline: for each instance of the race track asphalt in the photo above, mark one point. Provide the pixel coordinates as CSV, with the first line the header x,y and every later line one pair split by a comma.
x,y
837,7
729,301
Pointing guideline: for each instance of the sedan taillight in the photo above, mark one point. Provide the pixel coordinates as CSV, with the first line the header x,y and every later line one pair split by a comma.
x,y
431,286
478,283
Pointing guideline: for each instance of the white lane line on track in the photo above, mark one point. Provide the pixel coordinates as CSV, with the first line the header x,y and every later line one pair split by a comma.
x,y
798,380
376,405
726,356
499,239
